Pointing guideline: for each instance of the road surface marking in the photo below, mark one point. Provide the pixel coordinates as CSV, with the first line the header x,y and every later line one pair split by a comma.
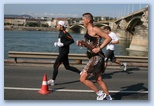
x,y
71,90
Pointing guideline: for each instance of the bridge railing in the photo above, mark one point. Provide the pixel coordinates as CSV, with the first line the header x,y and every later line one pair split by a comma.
x,y
74,58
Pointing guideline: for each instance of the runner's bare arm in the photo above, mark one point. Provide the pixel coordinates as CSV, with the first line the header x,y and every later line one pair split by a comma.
x,y
107,39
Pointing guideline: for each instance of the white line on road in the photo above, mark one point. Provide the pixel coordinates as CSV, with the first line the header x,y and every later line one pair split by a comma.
x,y
71,90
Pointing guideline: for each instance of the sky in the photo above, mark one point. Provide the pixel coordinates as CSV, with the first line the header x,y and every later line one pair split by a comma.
x,y
72,10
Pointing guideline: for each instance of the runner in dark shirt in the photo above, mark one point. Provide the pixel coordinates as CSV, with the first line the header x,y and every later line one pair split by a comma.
x,y
64,42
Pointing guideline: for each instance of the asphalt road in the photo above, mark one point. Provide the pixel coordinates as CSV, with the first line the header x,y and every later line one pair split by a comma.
x,y
22,82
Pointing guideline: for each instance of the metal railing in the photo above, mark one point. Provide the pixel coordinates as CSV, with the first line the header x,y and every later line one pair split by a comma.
x,y
76,58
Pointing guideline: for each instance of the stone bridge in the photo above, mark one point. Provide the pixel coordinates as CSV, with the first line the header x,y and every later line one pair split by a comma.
x,y
133,27
79,28
128,22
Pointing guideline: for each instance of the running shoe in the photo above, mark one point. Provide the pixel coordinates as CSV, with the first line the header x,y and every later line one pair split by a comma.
x,y
101,97
108,97
51,82
125,66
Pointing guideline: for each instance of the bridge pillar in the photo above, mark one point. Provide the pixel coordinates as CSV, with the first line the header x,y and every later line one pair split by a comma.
x,y
139,41
113,25
121,33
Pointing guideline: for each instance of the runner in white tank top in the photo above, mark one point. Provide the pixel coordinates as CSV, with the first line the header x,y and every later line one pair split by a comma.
x,y
110,49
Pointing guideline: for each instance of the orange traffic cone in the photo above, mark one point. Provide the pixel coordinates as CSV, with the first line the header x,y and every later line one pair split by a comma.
x,y
44,89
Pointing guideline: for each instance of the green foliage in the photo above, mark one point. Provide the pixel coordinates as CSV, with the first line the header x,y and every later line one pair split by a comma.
x,y
33,24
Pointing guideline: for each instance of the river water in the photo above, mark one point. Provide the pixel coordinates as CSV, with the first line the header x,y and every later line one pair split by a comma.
x,y
43,41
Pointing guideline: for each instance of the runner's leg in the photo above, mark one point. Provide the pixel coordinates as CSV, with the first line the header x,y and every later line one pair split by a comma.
x,y
56,66
68,67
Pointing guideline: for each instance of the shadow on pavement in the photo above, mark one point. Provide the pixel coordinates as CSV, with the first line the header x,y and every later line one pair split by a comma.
x,y
109,75
136,87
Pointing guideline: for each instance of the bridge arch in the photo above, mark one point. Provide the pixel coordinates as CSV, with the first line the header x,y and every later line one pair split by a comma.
x,y
133,23
101,25
77,28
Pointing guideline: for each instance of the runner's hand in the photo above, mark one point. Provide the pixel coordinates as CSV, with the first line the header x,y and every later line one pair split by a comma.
x,y
96,50
59,44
